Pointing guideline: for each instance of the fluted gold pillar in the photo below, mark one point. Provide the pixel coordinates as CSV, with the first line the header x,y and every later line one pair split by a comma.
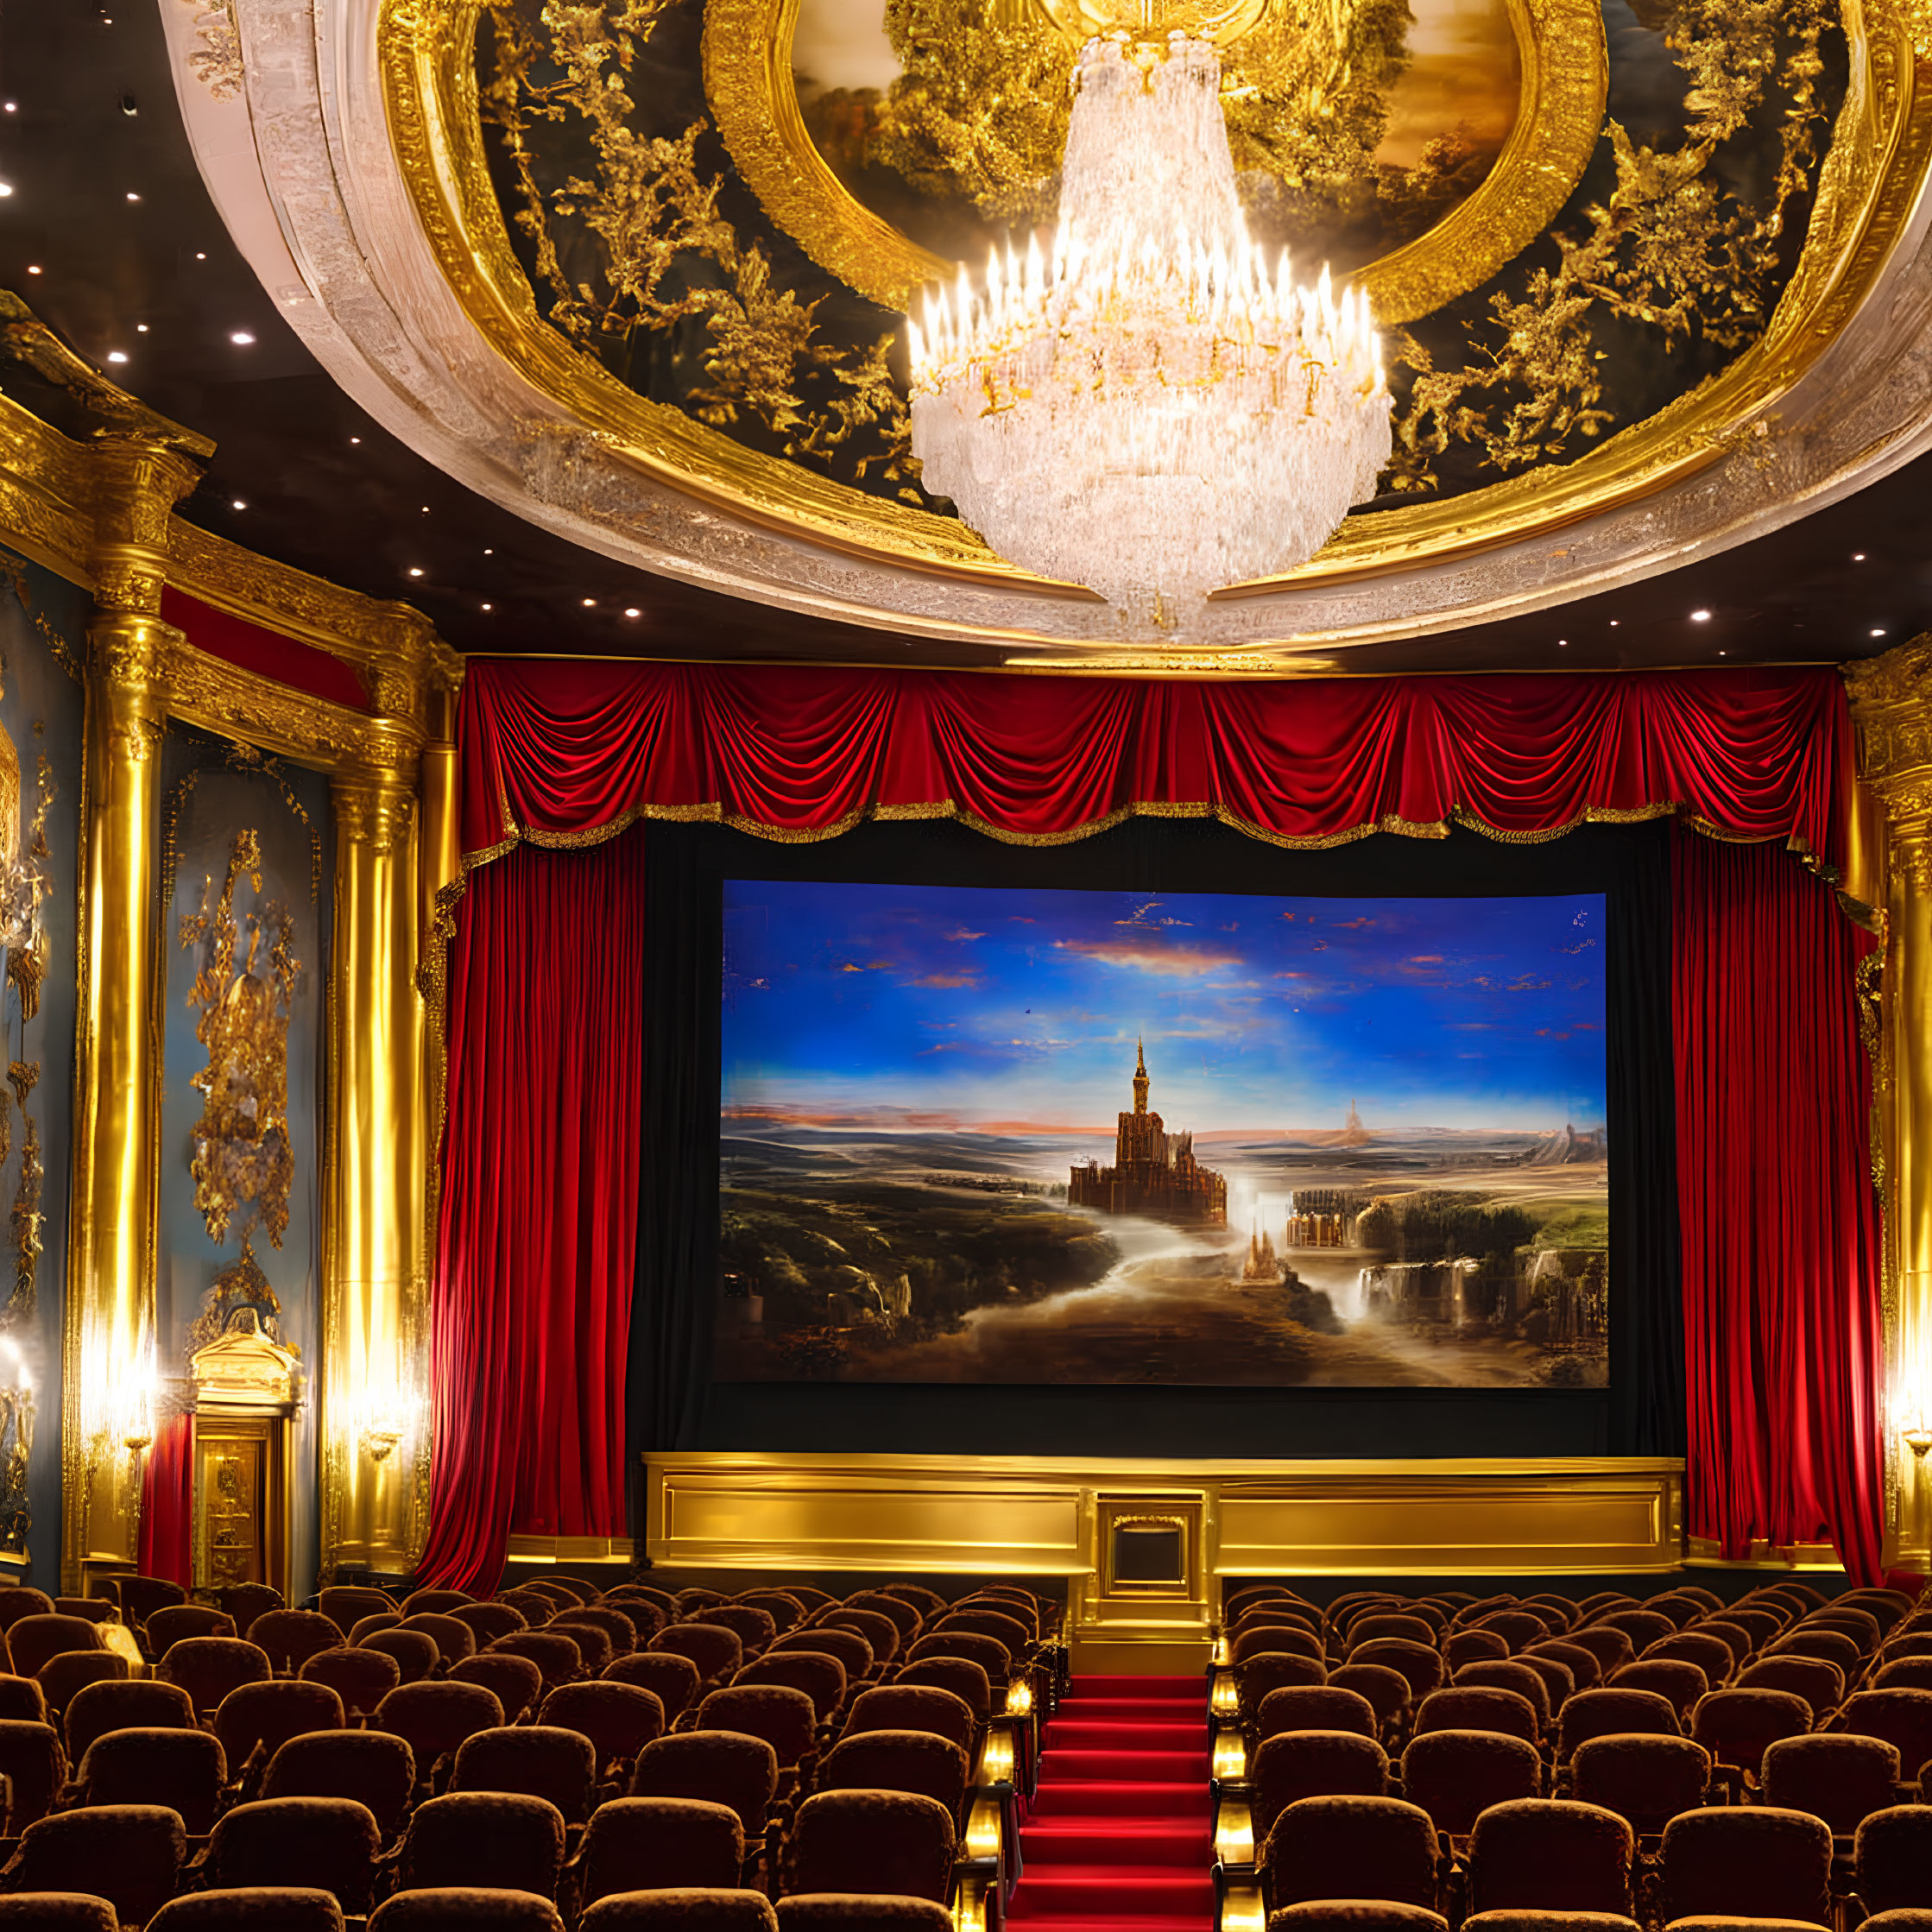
x,y
1892,700
439,866
373,1425
106,1409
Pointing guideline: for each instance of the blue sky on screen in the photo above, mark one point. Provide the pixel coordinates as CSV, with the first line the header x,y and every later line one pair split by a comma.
x,y
937,1006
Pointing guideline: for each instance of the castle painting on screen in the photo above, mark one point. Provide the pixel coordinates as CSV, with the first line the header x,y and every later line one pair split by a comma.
x,y
981,1135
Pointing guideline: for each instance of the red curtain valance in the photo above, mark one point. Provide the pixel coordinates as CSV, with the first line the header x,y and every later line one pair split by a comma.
x,y
554,751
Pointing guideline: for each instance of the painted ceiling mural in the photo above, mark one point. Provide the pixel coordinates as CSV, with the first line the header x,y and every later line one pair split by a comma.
x,y
1570,220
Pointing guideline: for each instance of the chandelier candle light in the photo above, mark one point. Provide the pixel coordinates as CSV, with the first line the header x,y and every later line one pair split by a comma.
x,y
1147,408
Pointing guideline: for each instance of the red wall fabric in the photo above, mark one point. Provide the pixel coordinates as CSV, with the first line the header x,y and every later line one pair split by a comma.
x,y
255,647
1781,1246
165,1546
540,1160
538,1227
551,748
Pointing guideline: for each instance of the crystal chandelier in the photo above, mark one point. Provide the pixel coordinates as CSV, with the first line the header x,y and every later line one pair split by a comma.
x,y
1147,408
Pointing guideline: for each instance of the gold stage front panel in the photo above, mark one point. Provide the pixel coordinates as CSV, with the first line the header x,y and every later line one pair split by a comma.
x,y
1039,1515
1460,1527
786,1512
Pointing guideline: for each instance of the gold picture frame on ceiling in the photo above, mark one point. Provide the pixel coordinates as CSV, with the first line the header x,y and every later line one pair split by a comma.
x,y
1866,191
1561,51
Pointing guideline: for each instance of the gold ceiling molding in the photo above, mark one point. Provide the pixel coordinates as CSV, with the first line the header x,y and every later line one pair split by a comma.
x,y
1566,77
1867,187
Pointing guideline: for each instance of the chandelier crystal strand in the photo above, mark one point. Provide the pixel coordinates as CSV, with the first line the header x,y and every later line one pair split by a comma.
x,y
1150,408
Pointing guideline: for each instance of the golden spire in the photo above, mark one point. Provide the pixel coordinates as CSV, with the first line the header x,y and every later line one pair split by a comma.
x,y
1139,1077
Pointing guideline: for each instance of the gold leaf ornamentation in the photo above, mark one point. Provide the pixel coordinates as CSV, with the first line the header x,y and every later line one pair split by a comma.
x,y
242,1161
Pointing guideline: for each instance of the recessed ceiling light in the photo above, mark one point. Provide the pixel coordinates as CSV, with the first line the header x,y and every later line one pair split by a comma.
x,y
241,339
1877,634
490,607
1700,617
34,268
12,107
6,189
1614,622
132,196
426,510
634,612
354,438
200,255
1858,556
589,603
237,504
116,355
490,552
141,328
413,571
1724,653
1562,643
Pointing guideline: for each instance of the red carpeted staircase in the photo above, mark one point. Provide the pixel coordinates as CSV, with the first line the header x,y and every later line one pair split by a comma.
x,y
1120,1838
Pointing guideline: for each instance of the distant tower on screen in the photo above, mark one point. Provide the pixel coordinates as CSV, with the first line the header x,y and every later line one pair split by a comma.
x,y
1151,1176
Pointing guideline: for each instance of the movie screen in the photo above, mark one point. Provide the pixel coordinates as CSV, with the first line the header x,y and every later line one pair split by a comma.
x,y
977,1135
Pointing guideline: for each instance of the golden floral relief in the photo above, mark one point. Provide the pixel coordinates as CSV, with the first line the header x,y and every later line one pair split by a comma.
x,y
242,1161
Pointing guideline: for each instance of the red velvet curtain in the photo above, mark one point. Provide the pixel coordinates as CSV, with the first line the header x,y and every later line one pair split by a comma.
x,y
539,1230
164,1545
540,1172
1780,1218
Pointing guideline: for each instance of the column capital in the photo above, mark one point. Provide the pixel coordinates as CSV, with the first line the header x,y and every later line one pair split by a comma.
x,y
375,793
140,479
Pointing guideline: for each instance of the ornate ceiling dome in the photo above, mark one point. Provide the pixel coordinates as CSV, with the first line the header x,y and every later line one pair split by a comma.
x,y
1651,280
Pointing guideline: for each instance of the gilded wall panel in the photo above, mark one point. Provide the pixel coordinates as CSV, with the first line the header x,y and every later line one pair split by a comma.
x,y
43,628
243,934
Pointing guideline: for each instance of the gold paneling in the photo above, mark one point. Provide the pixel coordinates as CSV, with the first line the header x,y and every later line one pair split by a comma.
x,y
718,1511
1462,1526
1047,1515
101,514
1566,76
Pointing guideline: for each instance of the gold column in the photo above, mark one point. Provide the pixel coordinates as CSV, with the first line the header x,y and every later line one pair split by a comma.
x,y
1892,700
373,1432
439,868
109,1309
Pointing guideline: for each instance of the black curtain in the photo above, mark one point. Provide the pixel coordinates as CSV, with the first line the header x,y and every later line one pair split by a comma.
x,y
673,1404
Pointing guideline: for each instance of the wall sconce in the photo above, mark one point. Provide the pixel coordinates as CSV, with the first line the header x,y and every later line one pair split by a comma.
x,y
386,1416
117,1410
1908,1409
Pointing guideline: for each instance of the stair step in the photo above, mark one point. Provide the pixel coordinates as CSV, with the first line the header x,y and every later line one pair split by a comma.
x,y
1090,1889
1126,1767
1080,1735
1119,1841
1074,1797
1184,1690
1133,1709
1113,1921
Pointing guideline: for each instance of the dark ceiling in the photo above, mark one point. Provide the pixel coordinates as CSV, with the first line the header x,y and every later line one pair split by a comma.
x,y
111,237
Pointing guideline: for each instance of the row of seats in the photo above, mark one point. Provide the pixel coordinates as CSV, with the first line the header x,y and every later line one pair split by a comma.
x,y
794,1746
480,1909
1669,1758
